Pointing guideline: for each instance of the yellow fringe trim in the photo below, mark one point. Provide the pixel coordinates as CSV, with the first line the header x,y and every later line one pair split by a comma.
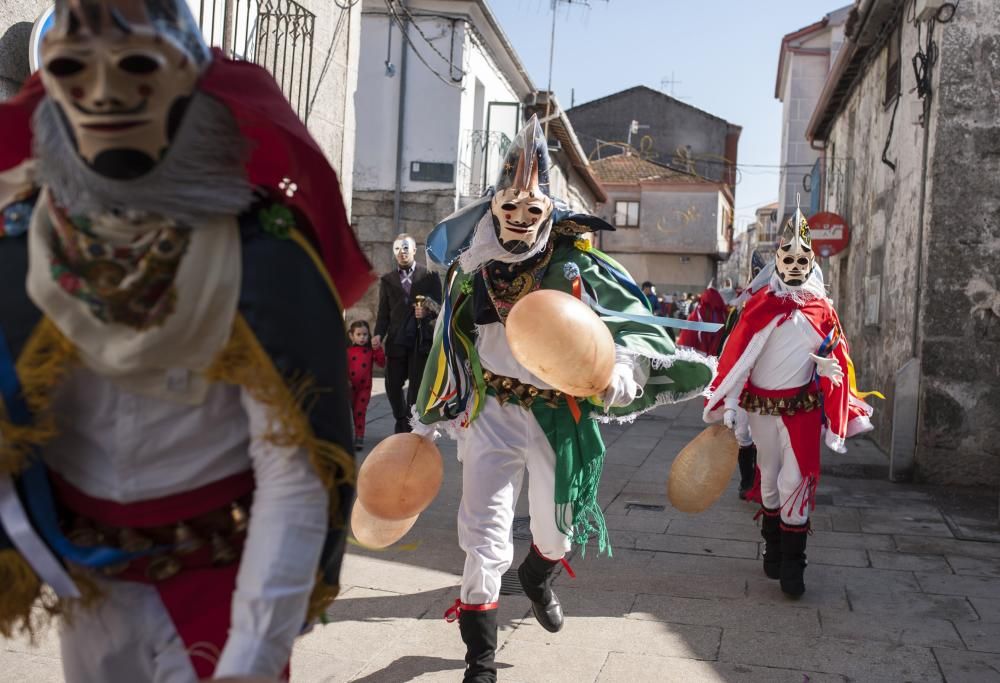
x,y
245,363
20,589
42,365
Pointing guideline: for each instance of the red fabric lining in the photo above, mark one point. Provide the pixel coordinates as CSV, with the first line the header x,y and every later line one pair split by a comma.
x,y
155,511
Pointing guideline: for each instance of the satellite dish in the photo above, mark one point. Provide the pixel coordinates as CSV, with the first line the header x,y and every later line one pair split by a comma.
x,y
42,26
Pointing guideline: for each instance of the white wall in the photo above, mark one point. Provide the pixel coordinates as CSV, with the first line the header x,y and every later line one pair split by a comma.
x,y
438,115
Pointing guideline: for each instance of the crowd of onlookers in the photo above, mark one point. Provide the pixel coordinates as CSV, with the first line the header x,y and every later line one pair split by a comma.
x,y
681,304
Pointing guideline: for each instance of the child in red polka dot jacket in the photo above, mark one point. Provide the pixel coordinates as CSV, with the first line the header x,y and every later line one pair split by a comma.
x,y
361,359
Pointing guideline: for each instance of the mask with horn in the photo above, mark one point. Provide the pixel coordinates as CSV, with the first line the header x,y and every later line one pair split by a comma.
x,y
521,205
121,73
794,258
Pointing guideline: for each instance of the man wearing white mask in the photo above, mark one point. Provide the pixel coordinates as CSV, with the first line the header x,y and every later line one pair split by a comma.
x,y
786,363
408,303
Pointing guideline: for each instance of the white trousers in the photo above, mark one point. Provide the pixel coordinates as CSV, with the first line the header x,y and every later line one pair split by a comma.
x,y
495,450
126,636
779,470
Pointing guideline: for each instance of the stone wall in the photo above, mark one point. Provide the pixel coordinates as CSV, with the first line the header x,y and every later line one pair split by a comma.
x,y
372,220
960,437
905,289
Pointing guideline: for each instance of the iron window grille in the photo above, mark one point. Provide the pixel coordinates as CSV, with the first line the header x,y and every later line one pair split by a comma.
x,y
275,34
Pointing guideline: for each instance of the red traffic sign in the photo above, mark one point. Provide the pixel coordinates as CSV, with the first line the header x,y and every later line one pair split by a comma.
x,y
830,234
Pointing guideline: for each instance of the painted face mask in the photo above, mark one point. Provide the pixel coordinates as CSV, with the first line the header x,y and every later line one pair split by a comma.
x,y
121,73
521,205
794,257
405,250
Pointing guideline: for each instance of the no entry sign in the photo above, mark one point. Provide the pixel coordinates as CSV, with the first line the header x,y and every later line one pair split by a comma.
x,y
830,234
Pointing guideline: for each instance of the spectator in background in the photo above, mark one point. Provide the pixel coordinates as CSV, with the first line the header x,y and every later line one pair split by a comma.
x,y
409,299
649,290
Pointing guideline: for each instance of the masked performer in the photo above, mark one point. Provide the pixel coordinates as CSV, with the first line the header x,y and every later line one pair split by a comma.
x,y
785,363
505,419
168,229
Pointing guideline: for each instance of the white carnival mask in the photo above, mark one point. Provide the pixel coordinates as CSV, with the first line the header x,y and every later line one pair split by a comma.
x,y
794,258
521,208
405,251
121,73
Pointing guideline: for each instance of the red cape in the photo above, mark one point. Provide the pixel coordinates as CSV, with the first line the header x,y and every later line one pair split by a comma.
x,y
846,414
711,308
281,148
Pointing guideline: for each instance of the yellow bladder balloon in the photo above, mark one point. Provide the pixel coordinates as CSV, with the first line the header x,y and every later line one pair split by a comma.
x,y
375,532
400,477
702,470
561,341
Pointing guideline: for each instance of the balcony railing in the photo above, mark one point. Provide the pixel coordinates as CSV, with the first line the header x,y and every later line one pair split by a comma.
x,y
276,34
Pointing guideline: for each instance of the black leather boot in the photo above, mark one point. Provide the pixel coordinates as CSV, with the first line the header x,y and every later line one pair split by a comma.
x,y
479,633
748,468
793,558
770,530
535,573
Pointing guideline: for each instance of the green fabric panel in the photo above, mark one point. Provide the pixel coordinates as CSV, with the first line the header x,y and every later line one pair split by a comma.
x,y
579,453
687,377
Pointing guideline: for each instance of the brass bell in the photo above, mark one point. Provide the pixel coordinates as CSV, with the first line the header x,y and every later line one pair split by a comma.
x,y
114,569
186,541
782,406
223,552
163,567
487,375
240,518
506,384
768,406
132,541
83,535
532,391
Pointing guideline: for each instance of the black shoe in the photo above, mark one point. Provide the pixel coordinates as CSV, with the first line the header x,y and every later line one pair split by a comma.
x,y
535,573
770,531
479,633
793,558
359,443
748,468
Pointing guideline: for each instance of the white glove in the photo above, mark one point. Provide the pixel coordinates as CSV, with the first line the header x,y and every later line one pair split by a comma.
x,y
829,368
622,389
420,429
729,418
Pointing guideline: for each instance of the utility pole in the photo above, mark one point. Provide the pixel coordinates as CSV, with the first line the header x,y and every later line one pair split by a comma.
x,y
552,51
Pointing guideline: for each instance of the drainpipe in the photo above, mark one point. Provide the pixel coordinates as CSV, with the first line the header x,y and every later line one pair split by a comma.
x,y
397,217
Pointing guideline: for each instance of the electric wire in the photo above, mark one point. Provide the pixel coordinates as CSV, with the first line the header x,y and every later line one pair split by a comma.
x,y
402,30
450,60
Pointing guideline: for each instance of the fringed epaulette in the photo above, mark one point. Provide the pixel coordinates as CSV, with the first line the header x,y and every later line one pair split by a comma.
x,y
570,228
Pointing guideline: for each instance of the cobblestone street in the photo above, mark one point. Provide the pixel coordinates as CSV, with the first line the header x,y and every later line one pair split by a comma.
x,y
903,585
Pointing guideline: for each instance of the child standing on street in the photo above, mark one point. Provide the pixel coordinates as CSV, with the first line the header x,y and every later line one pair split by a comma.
x,y
361,359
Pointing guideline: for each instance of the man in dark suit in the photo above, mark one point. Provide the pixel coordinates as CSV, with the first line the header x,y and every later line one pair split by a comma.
x,y
409,300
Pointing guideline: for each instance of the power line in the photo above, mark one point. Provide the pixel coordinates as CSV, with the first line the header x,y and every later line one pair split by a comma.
x,y
402,30
450,60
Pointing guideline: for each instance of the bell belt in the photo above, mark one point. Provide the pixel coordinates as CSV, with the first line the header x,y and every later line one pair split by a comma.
x,y
512,389
780,401
196,529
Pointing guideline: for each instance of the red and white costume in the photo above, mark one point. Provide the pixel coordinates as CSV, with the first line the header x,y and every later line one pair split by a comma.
x,y
767,356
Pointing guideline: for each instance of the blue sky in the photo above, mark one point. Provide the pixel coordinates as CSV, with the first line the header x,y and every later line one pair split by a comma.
x,y
723,53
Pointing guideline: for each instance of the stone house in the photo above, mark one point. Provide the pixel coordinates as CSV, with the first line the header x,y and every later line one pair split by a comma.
x,y
913,163
804,61
667,131
672,227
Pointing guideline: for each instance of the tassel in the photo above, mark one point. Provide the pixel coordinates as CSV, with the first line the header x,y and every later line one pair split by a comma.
x,y
21,587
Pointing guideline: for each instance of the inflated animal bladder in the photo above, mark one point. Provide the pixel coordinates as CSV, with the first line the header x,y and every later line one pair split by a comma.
x,y
703,469
560,340
375,532
400,477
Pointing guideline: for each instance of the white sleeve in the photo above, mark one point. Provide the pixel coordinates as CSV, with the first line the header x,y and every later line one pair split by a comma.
x,y
288,523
